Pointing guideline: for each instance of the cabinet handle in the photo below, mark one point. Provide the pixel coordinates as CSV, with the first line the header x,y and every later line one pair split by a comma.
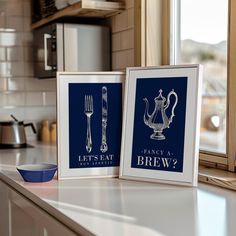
x,y
46,66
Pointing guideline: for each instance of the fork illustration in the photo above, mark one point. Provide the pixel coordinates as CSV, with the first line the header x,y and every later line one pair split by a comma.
x,y
88,111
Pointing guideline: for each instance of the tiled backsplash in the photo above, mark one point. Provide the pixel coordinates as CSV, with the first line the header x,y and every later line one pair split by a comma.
x,y
123,38
21,94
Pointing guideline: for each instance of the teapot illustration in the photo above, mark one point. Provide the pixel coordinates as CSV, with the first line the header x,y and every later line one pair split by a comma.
x,y
158,120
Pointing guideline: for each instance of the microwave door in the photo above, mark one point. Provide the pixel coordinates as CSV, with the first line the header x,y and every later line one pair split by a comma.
x,y
43,53
86,47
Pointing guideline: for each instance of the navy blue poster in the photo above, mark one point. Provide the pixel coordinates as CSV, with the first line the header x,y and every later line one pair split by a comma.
x,y
95,123
159,124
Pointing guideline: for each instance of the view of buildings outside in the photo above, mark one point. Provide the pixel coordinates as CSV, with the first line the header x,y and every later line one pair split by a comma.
x,y
203,31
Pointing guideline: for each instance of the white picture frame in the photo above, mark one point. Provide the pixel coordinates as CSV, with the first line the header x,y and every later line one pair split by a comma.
x,y
89,116
160,143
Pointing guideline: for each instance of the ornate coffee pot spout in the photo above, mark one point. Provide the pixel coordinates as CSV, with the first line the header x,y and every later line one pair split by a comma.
x,y
146,116
174,105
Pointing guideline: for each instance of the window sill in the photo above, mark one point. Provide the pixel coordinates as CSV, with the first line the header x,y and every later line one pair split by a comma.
x,y
217,177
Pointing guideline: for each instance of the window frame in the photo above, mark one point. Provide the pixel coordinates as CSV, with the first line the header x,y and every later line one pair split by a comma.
x,y
231,98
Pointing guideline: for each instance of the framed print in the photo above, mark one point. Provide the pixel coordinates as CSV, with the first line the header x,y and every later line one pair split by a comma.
x,y
89,114
161,124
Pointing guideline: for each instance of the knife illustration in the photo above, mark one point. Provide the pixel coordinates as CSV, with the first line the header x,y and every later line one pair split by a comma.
x,y
104,146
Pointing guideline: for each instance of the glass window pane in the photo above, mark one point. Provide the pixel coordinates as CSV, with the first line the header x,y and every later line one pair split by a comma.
x,y
203,39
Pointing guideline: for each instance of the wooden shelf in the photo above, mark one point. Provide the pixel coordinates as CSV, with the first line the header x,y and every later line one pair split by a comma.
x,y
85,8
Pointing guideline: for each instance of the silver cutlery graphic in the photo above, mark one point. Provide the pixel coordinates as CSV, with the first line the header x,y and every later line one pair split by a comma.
x,y
104,146
88,111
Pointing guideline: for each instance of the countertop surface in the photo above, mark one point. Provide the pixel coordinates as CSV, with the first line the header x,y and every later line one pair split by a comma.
x,y
110,206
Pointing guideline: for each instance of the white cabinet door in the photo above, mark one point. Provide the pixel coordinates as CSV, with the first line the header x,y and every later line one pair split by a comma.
x,y
4,213
21,217
29,219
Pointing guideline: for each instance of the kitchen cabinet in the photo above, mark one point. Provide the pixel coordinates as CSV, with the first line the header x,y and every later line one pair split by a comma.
x,y
85,8
4,214
20,217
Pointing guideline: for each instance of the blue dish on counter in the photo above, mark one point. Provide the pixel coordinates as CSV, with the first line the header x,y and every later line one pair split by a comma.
x,y
37,172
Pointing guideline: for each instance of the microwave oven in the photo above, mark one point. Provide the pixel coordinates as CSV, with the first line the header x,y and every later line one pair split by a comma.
x,y
70,47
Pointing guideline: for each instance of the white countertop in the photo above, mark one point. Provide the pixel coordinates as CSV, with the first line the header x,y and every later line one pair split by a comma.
x,y
119,207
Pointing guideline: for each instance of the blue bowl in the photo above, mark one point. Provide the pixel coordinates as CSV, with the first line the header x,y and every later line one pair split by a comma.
x,y
37,172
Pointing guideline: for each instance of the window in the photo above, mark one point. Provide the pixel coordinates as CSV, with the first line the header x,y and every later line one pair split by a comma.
x,y
202,38
203,32
162,32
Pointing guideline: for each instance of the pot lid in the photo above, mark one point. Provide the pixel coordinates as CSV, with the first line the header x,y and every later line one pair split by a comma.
x,y
12,122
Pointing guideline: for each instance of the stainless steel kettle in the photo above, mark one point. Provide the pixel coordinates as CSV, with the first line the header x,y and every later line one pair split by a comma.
x,y
12,133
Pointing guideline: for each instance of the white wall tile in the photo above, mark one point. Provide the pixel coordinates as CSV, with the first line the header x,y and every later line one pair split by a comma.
x,y
16,99
114,62
18,112
3,56
27,8
3,5
11,69
14,8
50,98
130,58
120,22
123,59
15,54
130,18
116,42
28,54
127,39
40,113
3,99
27,24
33,84
113,24
15,23
117,64
3,69
16,84
34,99
129,4
16,69
28,69
27,39
10,39
2,18
3,84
